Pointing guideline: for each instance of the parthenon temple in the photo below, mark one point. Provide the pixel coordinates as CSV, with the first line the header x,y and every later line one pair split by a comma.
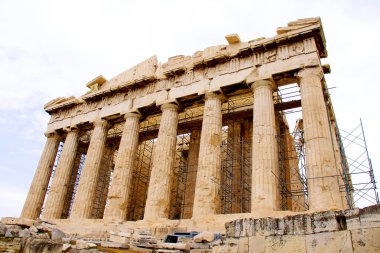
x,y
206,135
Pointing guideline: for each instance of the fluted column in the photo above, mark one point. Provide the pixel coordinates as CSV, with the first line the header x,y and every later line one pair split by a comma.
x,y
323,188
58,190
158,200
118,197
84,197
207,198
36,195
264,148
192,165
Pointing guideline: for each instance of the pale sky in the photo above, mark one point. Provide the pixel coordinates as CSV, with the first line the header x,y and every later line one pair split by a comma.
x,y
53,48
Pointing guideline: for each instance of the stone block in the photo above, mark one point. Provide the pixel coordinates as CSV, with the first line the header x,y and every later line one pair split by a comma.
x,y
366,240
352,218
80,244
17,221
66,247
370,216
41,245
339,241
3,229
324,222
242,245
114,245
256,244
119,239
33,229
285,243
12,232
167,251
201,251
57,234
199,245
204,236
248,227
24,233
225,248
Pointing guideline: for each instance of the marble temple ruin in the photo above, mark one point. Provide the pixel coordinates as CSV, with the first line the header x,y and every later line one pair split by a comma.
x,y
198,136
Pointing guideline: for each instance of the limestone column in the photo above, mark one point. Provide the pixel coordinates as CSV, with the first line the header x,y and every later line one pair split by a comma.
x,y
36,195
264,148
58,190
159,190
235,145
207,197
84,198
323,188
118,197
191,177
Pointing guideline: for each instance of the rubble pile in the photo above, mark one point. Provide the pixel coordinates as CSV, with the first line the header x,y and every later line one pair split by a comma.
x,y
28,236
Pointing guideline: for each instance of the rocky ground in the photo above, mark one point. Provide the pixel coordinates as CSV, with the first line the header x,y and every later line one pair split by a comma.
x,y
19,235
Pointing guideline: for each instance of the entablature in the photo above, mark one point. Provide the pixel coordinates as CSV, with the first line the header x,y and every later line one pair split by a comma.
x,y
225,68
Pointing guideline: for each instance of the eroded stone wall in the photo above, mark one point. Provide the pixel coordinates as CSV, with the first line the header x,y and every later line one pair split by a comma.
x,y
355,230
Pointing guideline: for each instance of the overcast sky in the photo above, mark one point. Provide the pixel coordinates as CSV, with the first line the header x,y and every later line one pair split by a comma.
x,y
53,48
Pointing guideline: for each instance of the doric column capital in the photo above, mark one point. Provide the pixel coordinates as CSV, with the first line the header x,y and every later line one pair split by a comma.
x,y
309,72
74,128
101,122
169,106
132,115
51,134
214,95
263,83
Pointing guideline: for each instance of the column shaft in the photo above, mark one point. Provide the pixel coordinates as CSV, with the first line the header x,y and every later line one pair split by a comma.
x,y
207,198
264,148
58,190
118,197
159,190
323,188
234,154
36,195
191,176
83,203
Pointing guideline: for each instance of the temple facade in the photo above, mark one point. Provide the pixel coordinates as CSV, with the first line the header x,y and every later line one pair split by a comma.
x,y
198,136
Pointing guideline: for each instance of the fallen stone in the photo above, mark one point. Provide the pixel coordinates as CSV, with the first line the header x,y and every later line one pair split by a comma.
x,y
24,233
12,232
45,228
33,229
167,251
114,245
33,245
80,244
3,229
65,247
57,234
40,235
199,245
17,221
204,236
118,239
175,246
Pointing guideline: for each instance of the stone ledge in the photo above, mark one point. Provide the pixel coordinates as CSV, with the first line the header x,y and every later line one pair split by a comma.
x,y
307,223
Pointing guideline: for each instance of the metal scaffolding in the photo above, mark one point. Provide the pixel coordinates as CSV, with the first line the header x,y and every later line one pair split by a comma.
x,y
363,188
142,169
235,188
